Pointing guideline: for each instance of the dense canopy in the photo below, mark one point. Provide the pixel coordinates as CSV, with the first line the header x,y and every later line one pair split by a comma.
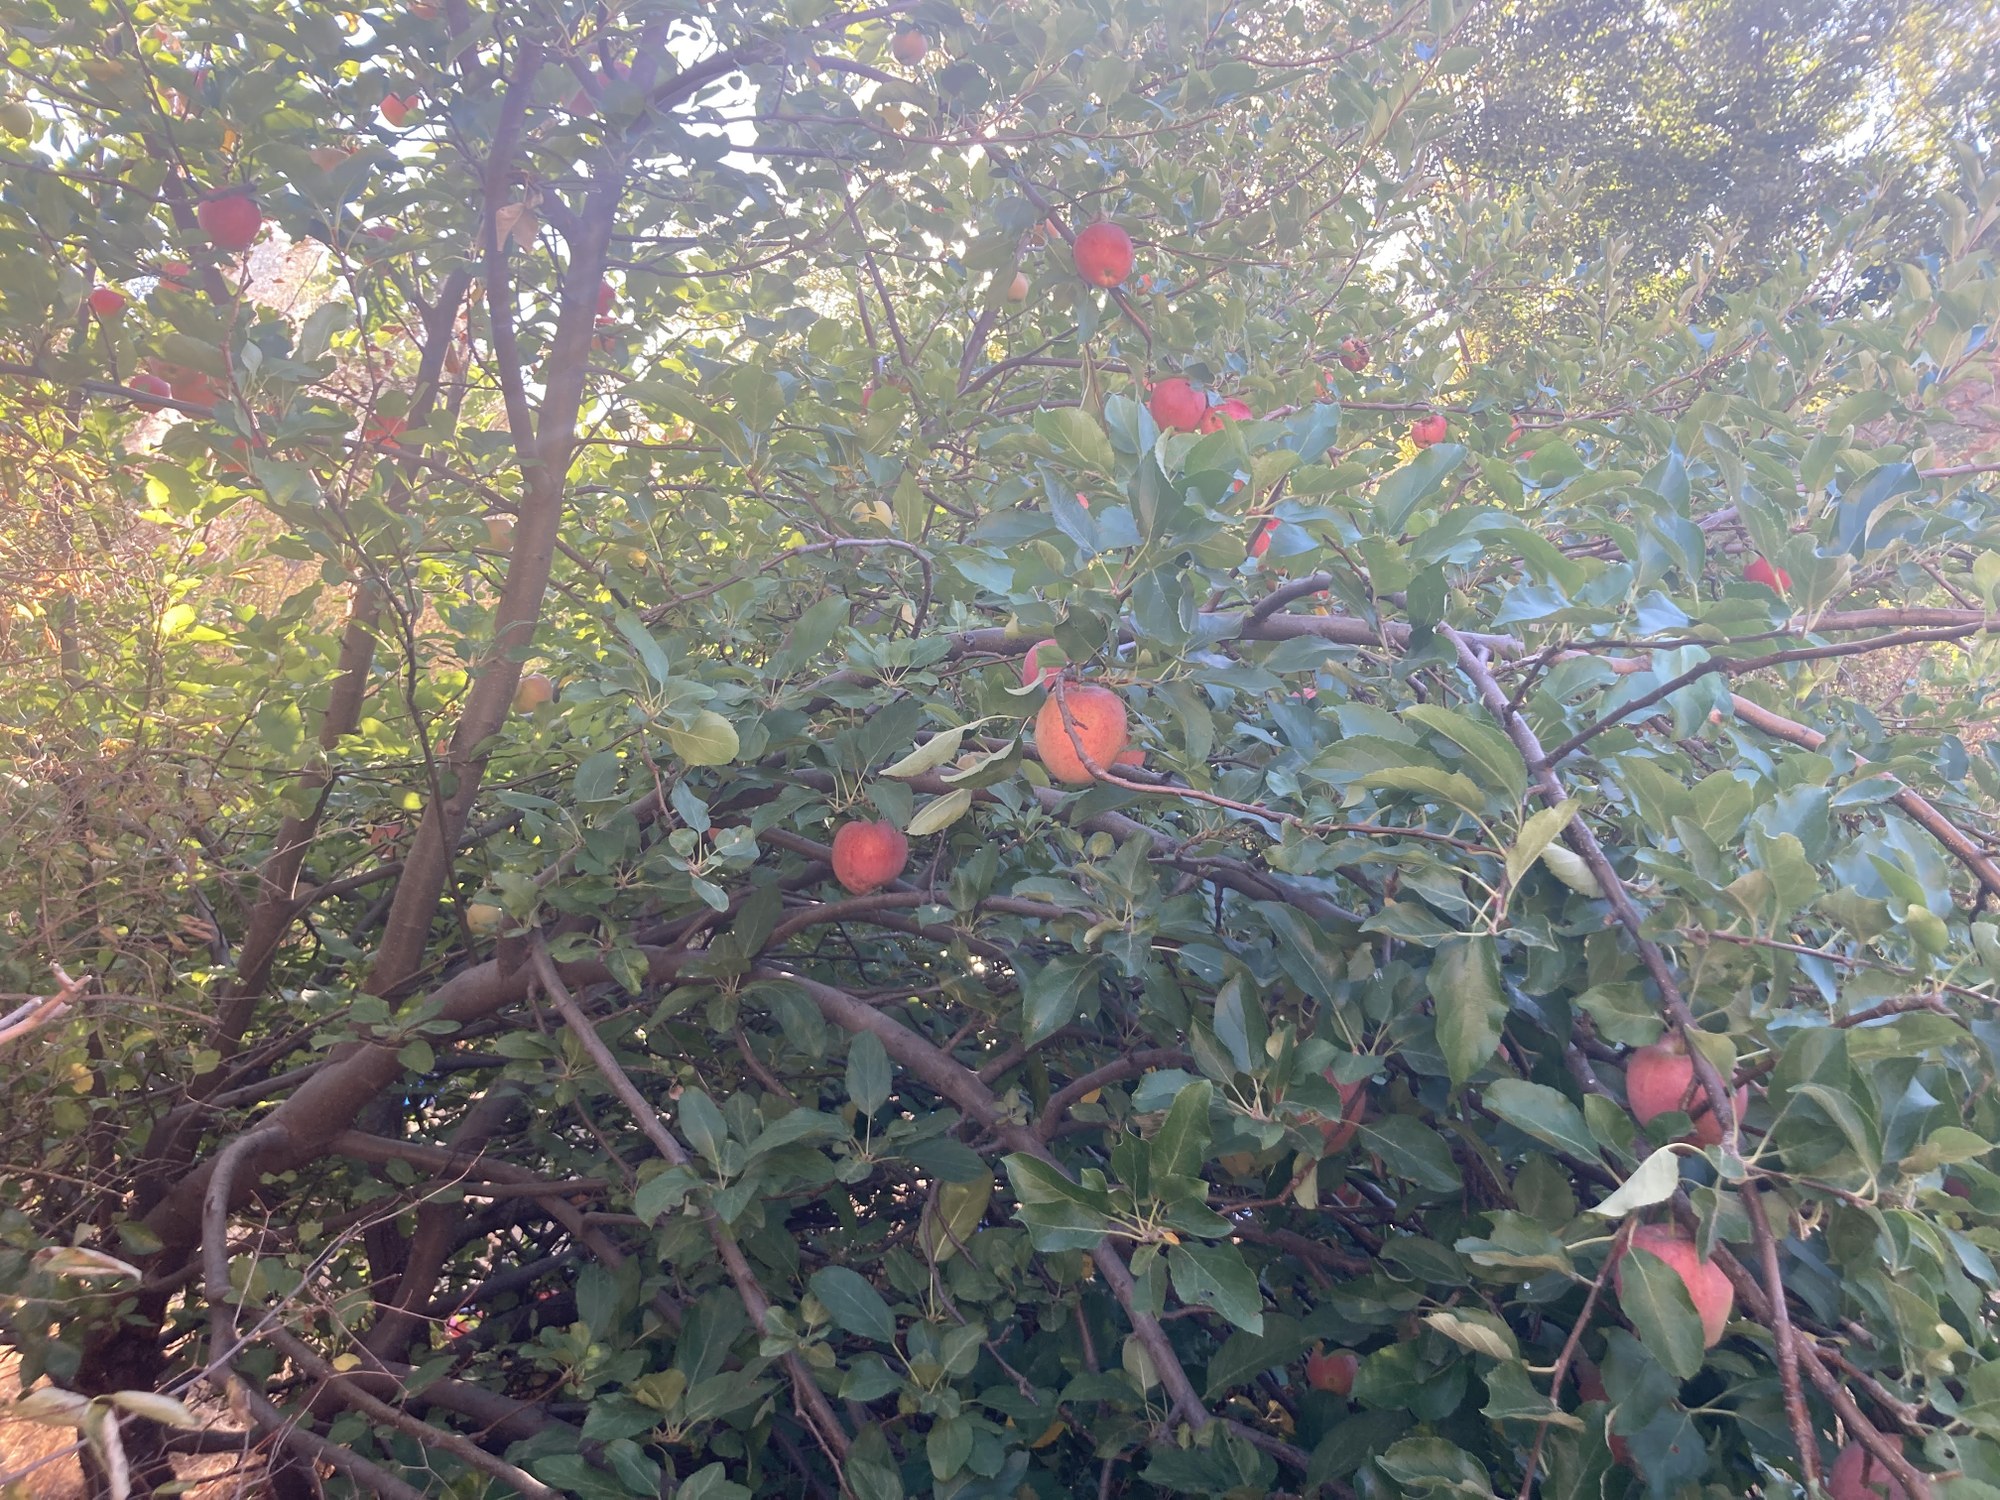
x,y
1426,918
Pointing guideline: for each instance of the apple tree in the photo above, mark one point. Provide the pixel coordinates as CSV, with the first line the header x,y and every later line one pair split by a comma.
x,y
704,799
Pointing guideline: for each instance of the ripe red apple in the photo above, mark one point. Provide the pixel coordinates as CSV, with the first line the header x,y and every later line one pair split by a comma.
x,y
1660,1078
1775,579
607,298
1101,728
1261,542
535,689
1333,1372
1858,1474
867,856
909,46
1354,354
395,109
174,274
230,219
1427,430
1229,410
383,429
499,533
1353,1110
1176,405
1017,289
1708,1287
1044,659
108,301
144,384
1103,254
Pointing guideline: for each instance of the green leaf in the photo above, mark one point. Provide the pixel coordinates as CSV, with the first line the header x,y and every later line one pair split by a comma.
x,y
1054,994
1411,1150
1653,1182
1656,1302
1408,487
702,1123
868,1079
1542,1112
1484,744
1216,1276
1181,1144
1454,788
1465,987
1060,1214
707,739
853,1304
642,643
1537,833
928,756
940,812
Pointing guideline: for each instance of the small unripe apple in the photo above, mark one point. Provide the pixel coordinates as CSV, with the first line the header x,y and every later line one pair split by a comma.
x,y
17,119
484,918
867,856
1858,1474
535,689
1102,728
909,46
230,219
1228,410
1661,1077
499,533
1354,354
1773,578
1176,405
1708,1286
144,384
1017,289
1333,1372
108,301
1103,254
1427,430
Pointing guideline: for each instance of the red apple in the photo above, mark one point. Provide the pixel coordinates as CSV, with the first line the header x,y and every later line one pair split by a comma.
x,y
1044,658
383,429
108,301
144,384
1427,430
1261,542
1858,1474
173,275
607,298
1229,410
1354,354
1661,1077
534,690
1103,254
1333,1372
1176,405
230,219
1101,728
867,856
395,109
1708,1287
1775,579
1131,755
1017,289
909,46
